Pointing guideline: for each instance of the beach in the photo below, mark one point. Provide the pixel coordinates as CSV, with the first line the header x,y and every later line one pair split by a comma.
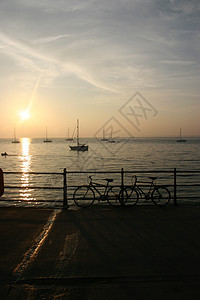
x,y
141,253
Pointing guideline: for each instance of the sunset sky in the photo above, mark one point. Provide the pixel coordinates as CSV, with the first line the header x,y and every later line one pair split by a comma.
x,y
62,60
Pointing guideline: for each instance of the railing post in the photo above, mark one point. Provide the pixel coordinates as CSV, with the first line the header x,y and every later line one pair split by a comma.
x,y
175,185
122,186
1,183
65,202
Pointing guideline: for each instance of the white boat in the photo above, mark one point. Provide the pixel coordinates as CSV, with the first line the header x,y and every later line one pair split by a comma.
x,y
68,139
46,140
15,140
78,146
180,140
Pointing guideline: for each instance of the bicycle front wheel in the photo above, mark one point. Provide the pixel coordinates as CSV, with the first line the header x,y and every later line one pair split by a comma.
x,y
115,197
132,196
84,196
160,196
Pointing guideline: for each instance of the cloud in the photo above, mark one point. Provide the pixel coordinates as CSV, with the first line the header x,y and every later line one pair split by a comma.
x,y
178,62
50,39
53,7
31,59
185,7
110,45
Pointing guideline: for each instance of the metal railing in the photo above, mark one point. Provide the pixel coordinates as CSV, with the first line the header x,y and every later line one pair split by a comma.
x,y
124,176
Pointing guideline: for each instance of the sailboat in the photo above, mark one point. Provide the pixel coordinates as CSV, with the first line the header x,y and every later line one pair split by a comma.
x,y
69,139
79,147
104,139
15,140
46,140
180,138
111,140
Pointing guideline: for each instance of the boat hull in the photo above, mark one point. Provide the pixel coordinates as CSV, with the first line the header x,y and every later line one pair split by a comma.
x,y
47,141
4,154
79,148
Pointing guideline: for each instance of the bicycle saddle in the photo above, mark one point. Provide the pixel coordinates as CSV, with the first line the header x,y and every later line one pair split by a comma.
x,y
153,178
108,179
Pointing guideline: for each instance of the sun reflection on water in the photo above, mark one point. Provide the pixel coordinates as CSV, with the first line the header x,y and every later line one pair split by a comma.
x,y
25,193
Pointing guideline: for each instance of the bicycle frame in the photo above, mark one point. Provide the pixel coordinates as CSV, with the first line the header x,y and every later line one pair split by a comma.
x,y
141,193
94,185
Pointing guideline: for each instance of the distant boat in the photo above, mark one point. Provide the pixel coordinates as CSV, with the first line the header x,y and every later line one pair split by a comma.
x,y
79,147
180,138
104,139
68,138
111,140
46,140
15,140
4,154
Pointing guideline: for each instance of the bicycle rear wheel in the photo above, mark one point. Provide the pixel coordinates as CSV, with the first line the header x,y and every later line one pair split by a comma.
x,y
84,196
115,197
160,196
132,196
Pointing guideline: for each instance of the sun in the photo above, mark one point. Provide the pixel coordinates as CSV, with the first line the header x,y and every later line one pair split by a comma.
x,y
24,115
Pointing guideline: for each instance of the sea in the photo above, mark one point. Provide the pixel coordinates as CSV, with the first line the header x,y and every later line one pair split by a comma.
x,y
33,170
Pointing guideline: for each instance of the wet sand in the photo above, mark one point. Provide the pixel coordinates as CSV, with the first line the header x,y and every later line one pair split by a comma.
x,y
100,252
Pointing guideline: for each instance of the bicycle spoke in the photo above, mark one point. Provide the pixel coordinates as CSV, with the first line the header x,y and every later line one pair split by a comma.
x,y
113,197
160,196
84,196
132,196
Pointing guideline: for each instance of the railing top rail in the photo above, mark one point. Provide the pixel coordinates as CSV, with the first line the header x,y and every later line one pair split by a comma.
x,y
187,171
119,172
149,171
94,172
34,173
133,172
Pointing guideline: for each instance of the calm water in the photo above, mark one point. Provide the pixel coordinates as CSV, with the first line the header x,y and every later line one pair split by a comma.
x,y
138,154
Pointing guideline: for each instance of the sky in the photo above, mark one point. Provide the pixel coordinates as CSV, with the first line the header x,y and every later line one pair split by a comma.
x,y
134,64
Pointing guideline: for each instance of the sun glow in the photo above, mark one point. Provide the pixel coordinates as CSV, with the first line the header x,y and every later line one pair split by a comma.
x,y
25,158
24,115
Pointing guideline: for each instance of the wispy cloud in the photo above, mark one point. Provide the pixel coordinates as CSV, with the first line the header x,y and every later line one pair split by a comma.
x,y
29,58
110,45
50,39
178,62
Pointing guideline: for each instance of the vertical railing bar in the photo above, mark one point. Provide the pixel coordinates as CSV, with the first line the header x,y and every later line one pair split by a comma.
x,y
65,202
175,187
122,186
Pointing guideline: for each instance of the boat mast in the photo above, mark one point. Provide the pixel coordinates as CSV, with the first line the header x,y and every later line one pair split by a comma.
x,y
14,135
77,131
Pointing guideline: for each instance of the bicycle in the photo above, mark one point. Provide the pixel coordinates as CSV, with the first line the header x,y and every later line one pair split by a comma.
x,y
84,196
159,195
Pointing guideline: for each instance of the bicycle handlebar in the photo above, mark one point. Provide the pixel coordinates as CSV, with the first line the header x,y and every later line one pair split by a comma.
x,y
89,179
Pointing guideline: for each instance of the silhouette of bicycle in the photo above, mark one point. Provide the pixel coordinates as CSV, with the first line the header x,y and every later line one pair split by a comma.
x,y
84,196
159,195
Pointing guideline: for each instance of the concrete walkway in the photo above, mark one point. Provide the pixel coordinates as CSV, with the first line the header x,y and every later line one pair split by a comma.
x,y
100,252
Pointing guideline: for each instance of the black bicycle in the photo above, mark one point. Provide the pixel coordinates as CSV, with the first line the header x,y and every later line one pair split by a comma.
x,y
84,196
159,195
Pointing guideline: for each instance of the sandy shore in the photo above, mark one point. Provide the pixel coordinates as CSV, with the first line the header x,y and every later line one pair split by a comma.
x,y
141,253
